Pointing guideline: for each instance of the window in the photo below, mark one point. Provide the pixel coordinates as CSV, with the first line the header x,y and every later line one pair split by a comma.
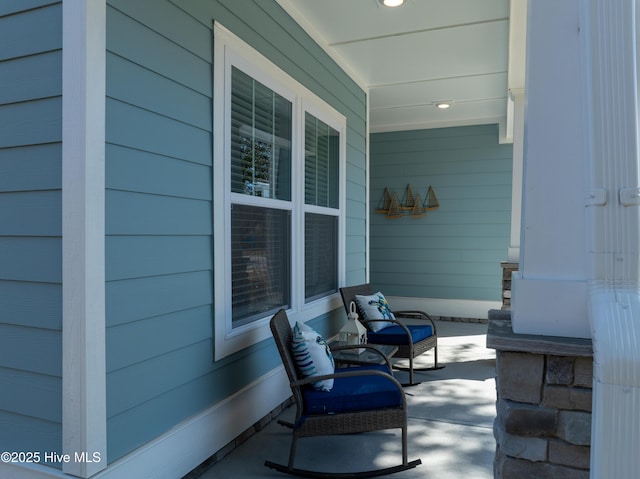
x,y
322,157
260,140
279,156
321,255
260,257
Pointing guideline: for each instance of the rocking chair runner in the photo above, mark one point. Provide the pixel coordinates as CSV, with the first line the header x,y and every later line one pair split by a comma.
x,y
363,399
412,340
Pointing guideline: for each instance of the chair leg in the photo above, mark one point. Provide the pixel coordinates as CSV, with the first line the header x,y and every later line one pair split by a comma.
x,y
435,357
292,450
410,369
405,455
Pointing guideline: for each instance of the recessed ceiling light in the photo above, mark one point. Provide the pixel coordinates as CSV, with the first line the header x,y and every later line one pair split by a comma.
x,y
444,104
392,3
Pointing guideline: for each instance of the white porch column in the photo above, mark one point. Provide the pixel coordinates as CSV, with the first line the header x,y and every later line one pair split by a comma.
x,y
84,423
549,293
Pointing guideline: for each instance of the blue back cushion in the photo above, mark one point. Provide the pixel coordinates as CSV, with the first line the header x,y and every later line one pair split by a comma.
x,y
397,335
359,393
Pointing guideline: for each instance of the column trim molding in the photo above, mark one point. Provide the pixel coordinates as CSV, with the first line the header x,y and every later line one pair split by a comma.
x,y
611,62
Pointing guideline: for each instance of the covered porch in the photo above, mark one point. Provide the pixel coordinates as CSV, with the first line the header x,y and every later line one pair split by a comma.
x,y
451,416
121,244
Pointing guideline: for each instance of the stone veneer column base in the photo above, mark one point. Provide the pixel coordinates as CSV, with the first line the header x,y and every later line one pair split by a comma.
x,y
507,270
543,423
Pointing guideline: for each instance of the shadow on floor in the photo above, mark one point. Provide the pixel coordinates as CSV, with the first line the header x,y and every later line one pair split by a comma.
x,y
451,414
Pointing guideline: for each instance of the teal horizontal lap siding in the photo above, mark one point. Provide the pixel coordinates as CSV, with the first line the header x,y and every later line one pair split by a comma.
x,y
30,213
455,251
31,395
28,433
156,133
159,208
143,298
31,304
160,373
356,214
177,330
158,245
129,170
29,30
157,47
12,7
140,256
31,259
187,105
31,122
30,168
31,402
26,78
18,343
31,226
144,214
158,414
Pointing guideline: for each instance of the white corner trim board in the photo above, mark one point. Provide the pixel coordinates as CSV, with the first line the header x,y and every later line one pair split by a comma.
x,y
84,423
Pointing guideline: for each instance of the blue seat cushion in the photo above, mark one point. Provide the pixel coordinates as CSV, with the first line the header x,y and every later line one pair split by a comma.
x,y
358,393
397,335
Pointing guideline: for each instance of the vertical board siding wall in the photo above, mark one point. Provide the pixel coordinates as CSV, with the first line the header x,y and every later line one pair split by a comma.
x,y
454,252
159,263
30,226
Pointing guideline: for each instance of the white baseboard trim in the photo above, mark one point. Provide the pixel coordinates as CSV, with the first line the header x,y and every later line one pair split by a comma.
x,y
188,444
451,308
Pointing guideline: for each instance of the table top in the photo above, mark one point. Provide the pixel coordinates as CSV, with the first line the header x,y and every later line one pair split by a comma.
x,y
350,356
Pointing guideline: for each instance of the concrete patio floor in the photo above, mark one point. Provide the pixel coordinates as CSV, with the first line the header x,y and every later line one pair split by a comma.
x,y
451,416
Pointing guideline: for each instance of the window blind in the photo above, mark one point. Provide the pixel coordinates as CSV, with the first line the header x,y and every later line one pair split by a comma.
x,y
321,255
260,261
260,139
322,154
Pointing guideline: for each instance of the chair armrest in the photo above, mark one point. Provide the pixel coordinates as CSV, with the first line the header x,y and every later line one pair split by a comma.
x,y
411,314
406,330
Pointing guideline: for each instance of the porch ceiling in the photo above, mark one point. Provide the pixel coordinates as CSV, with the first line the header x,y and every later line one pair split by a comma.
x,y
415,55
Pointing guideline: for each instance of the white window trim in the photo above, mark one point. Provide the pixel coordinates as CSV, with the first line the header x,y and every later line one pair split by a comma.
x,y
228,50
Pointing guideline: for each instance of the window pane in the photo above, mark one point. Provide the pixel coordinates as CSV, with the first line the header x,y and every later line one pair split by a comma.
x,y
260,139
260,262
321,255
321,159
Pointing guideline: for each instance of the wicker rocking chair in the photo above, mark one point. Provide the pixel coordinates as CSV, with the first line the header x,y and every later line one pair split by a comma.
x,y
412,340
363,399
